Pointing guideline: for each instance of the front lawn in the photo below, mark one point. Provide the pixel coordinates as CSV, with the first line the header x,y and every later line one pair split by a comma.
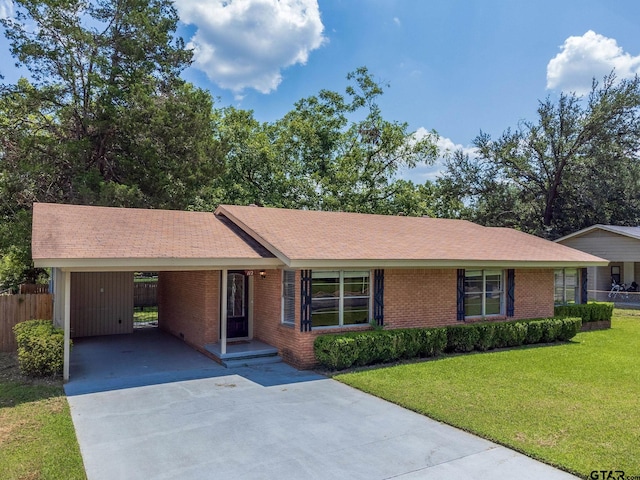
x,y
145,315
37,438
573,405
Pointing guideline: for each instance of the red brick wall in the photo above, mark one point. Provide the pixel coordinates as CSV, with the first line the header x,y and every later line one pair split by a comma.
x,y
267,294
420,298
534,293
188,305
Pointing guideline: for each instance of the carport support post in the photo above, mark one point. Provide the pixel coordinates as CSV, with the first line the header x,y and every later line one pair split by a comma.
x,y
223,312
67,324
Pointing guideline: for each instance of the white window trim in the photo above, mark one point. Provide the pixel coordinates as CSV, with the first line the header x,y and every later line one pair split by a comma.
x,y
341,323
577,287
484,294
283,320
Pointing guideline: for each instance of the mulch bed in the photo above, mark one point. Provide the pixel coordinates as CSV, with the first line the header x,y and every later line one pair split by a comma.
x,y
10,373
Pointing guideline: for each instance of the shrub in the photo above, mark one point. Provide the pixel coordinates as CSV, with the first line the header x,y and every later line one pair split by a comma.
x,y
40,348
535,331
340,351
435,341
588,312
570,328
462,338
413,340
486,336
509,334
335,352
552,330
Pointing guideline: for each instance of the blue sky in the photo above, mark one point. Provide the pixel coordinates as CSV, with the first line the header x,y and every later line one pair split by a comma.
x,y
454,66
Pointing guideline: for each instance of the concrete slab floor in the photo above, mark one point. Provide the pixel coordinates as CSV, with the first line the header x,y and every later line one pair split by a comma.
x,y
269,422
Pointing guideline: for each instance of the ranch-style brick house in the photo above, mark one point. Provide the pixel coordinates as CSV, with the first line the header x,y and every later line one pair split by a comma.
x,y
280,277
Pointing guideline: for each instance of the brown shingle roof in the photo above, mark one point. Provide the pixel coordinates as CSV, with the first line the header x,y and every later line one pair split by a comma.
x,y
119,238
310,237
87,232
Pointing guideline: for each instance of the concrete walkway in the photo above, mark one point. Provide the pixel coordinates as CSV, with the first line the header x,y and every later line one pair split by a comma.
x,y
186,417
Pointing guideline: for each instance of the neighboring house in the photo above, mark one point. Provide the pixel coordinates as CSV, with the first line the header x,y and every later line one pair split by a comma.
x,y
619,245
287,276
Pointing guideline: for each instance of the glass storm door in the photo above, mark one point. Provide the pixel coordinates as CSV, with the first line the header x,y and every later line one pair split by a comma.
x,y
237,300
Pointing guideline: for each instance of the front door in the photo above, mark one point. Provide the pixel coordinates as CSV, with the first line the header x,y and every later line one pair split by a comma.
x,y
237,305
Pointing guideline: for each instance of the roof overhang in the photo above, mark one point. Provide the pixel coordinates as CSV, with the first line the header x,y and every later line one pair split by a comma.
x,y
154,264
180,264
402,263
606,228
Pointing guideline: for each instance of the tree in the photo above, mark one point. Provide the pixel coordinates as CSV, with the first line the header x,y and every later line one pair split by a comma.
x,y
104,117
331,152
577,165
258,169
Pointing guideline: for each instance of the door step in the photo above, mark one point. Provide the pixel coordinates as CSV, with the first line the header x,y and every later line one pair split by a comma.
x,y
248,362
243,354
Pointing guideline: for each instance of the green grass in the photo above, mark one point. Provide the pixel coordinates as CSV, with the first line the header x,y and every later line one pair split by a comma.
x,y
145,314
574,405
145,279
37,438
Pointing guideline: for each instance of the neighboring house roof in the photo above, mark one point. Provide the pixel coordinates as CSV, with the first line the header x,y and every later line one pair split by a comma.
x,y
303,238
102,238
615,243
84,237
632,232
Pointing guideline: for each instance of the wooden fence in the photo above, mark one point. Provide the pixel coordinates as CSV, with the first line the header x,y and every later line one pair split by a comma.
x,y
18,308
145,294
34,288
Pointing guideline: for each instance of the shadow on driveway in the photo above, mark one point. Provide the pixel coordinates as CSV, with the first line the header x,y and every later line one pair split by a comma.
x,y
152,357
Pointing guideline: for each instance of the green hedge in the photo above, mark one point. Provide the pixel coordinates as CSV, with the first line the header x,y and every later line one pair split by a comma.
x,y
588,312
40,348
340,351
378,346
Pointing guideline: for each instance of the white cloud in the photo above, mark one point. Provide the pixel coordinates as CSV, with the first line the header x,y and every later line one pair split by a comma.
x,y
446,147
397,21
583,58
243,44
6,8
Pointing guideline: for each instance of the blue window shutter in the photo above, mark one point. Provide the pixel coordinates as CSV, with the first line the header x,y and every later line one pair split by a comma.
x,y
378,297
305,300
460,310
583,291
511,292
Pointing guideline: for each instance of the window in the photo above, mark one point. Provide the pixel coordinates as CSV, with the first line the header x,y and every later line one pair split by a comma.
x,y
288,297
615,274
566,286
340,298
483,293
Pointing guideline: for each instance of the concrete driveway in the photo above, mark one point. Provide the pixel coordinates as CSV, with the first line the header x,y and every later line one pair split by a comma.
x,y
186,417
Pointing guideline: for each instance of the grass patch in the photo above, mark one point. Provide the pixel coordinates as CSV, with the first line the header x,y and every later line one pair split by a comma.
x,y
145,314
37,438
573,405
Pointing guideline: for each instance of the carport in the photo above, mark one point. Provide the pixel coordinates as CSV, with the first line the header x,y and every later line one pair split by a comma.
x,y
73,240
144,357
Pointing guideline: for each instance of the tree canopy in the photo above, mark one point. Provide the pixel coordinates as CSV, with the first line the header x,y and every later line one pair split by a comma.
x,y
331,152
575,166
104,117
